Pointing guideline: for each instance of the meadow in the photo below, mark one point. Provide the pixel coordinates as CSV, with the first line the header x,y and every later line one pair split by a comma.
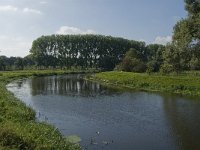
x,y
186,83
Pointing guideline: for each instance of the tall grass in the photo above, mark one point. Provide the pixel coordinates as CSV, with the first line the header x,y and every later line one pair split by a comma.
x,y
18,126
185,84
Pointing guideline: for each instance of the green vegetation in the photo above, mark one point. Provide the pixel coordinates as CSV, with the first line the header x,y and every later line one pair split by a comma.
x,y
18,126
184,53
107,52
95,51
16,63
185,84
83,51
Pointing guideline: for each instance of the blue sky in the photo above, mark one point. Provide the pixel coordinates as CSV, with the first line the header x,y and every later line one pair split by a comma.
x,y
22,21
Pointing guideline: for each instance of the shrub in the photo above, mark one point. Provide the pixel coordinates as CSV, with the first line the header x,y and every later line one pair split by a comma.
x,y
166,69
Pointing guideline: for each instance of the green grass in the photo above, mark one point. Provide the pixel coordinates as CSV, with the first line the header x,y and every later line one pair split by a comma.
x,y
184,84
18,126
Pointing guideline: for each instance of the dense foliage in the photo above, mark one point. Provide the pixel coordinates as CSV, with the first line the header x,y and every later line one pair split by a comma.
x,y
96,51
16,63
184,51
85,51
132,62
150,60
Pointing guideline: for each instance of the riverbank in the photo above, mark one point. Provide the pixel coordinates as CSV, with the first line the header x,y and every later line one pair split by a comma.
x,y
184,84
18,126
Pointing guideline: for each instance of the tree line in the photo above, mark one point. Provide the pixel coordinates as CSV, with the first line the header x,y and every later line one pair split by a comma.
x,y
16,63
85,51
81,51
108,53
95,51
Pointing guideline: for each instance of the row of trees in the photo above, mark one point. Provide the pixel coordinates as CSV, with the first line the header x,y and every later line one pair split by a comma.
x,y
15,63
96,51
86,51
107,53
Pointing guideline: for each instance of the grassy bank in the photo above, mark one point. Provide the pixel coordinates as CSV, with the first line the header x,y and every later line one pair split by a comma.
x,y
185,84
18,126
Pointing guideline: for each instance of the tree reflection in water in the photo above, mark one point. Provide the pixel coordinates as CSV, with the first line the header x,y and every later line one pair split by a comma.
x,y
73,85
183,116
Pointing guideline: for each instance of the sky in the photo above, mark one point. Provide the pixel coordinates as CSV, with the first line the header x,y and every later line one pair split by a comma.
x,y
22,21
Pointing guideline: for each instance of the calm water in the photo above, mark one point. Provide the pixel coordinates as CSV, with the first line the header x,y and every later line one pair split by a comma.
x,y
108,119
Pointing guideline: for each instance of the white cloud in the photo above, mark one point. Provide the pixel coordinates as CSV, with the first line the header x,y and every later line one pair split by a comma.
x,y
163,40
14,46
74,30
8,8
29,10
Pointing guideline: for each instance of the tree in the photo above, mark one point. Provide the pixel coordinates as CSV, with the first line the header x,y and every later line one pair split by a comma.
x,y
132,62
172,59
166,68
152,66
154,56
194,63
184,51
2,64
28,61
192,6
19,63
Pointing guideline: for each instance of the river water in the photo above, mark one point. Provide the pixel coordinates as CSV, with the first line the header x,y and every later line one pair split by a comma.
x,y
111,119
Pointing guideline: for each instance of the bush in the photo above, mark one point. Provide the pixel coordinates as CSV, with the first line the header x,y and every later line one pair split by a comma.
x,y
194,64
166,69
150,67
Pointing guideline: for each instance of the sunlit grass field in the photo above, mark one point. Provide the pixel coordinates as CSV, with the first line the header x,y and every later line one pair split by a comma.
x,y
187,83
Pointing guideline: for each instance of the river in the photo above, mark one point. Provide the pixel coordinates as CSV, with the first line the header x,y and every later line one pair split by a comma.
x,y
111,119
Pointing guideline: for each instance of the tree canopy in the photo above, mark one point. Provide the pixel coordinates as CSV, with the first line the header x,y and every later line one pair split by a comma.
x,y
184,51
87,51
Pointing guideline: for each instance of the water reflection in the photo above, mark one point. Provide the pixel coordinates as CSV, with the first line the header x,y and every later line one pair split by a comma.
x,y
183,117
123,120
73,85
